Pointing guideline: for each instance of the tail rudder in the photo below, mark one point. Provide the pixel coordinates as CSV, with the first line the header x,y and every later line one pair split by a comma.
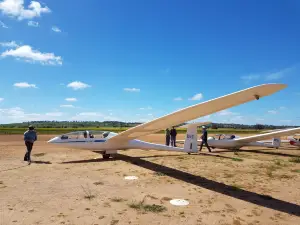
x,y
190,143
276,142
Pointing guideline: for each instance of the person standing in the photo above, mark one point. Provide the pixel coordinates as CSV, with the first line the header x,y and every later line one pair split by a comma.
x,y
167,137
30,137
204,139
173,134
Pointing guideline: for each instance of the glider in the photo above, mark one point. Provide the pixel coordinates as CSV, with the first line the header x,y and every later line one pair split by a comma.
x,y
109,143
294,140
234,142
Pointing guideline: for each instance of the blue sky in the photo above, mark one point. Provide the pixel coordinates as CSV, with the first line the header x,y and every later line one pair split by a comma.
x,y
138,60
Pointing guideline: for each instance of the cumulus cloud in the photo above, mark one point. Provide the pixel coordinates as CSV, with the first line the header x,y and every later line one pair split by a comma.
x,y
272,111
16,9
132,89
146,108
71,99
33,23
17,114
56,29
24,85
3,25
78,85
11,44
227,113
66,106
1,99
196,97
178,99
250,77
92,116
27,54
54,114
279,74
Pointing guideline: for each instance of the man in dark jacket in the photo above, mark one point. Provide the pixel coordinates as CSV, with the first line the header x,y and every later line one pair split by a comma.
x,y
204,139
30,137
167,137
173,134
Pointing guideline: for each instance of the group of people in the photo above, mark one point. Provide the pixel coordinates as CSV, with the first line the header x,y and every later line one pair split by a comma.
x,y
171,134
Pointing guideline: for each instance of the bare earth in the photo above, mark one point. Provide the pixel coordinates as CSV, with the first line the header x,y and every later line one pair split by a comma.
x,y
67,186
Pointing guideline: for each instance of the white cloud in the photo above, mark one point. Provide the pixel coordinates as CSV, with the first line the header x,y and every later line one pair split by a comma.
x,y
71,99
15,8
54,114
132,89
33,23
227,113
1,99
286,121
11,44
147,108
78,85
282,107
17,114
66,106
56,29
178,99
26,53
3,25
272,111
24,85
279,74
92,116
250,77
196,97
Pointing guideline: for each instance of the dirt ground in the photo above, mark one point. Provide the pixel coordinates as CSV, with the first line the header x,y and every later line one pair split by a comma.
x,y
68,186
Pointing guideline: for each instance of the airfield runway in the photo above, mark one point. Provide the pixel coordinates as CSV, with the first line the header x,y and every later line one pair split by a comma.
x,y
68,186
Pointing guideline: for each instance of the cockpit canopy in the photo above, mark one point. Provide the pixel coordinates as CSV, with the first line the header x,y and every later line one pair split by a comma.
x,y
224,136
88,134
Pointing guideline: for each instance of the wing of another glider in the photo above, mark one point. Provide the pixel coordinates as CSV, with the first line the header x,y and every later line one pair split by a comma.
x,y
199,110
197,124
275,134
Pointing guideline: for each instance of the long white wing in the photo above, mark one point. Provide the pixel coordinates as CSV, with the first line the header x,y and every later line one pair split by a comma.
x,y
199,110
194,124
260,137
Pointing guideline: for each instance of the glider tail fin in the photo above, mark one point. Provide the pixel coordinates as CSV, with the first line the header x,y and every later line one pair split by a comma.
x,y
276,142
190,143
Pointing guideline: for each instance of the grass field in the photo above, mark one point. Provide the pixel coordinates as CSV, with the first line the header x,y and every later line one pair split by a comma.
x,y
116,129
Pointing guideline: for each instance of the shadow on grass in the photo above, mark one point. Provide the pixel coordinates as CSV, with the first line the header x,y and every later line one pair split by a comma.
x,y
248,196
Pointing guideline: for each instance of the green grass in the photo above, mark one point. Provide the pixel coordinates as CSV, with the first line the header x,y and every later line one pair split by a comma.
x,y
237,159
295,160
4,130
147,208
117,199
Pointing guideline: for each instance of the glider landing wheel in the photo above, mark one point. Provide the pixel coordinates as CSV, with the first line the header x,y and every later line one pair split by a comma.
x,y
105,156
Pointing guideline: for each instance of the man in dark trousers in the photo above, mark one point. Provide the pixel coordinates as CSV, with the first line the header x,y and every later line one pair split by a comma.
x,y
167,137
173,134
30,137
204,139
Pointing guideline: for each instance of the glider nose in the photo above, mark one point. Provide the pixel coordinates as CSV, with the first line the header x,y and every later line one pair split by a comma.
x,y
53,140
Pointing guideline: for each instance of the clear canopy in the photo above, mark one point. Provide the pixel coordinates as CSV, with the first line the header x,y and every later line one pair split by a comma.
x,y
224,136
88,134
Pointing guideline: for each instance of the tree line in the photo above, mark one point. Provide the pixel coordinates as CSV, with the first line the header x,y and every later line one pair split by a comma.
x,y
82,124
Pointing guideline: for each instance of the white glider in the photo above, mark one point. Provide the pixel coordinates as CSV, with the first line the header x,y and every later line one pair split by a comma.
x,y
294,140
109,142
234,142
